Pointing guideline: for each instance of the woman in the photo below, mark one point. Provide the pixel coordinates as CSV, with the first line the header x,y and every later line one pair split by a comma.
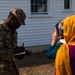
x,y
65,57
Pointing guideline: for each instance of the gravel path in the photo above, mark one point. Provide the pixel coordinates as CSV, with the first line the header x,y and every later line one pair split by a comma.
x,y
36,64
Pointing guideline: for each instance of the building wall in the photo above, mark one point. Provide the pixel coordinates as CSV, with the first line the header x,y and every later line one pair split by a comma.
x,y
37,31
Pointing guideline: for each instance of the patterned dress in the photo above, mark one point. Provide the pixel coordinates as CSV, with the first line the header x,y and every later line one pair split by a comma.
x,y
8,41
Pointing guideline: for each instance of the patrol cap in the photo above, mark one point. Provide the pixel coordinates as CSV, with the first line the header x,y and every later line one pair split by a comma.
x,y
19,14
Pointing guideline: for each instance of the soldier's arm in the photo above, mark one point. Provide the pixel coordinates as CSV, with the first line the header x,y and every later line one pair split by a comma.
x,y
5,53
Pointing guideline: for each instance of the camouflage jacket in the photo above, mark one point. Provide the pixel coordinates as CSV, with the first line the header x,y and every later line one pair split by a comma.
x,y
8,41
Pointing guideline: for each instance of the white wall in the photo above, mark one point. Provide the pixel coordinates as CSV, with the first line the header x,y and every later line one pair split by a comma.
x,y
37,30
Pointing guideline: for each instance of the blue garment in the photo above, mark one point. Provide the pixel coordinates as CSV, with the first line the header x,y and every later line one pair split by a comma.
x,y
51,52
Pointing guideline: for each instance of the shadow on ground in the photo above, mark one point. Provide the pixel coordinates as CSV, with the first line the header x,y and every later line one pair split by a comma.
x,y
34,59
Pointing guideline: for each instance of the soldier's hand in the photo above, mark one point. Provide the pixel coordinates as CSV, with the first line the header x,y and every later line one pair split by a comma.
x,y
20,52
19,49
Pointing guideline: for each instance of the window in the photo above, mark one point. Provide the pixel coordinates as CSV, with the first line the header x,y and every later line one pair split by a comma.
x,y
68,5
40,7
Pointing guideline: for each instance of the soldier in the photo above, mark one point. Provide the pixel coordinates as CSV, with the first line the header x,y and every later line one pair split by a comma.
x,y
8,40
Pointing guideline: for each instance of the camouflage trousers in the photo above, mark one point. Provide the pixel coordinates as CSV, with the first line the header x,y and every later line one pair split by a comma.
x,y
8,69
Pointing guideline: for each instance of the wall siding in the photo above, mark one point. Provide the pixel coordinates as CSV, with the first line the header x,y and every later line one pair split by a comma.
x,y
37,31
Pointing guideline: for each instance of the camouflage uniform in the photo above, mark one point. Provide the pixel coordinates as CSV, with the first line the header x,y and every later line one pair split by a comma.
x,y
8,41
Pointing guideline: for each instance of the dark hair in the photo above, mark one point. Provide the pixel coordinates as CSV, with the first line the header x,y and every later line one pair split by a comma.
x,y
59,29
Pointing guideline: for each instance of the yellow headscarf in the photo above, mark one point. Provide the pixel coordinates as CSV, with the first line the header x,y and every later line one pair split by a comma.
x,y
62,61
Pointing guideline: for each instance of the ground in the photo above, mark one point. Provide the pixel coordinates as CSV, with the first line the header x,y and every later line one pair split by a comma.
x,y
36,64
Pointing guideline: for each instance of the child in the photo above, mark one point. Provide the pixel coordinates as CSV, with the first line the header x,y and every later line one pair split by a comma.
x,y
57,35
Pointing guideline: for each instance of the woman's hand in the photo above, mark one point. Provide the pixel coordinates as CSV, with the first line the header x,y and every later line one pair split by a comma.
x,y
55,37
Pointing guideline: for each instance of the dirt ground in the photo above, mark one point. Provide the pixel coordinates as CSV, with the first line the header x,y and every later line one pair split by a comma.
x,y
36,64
